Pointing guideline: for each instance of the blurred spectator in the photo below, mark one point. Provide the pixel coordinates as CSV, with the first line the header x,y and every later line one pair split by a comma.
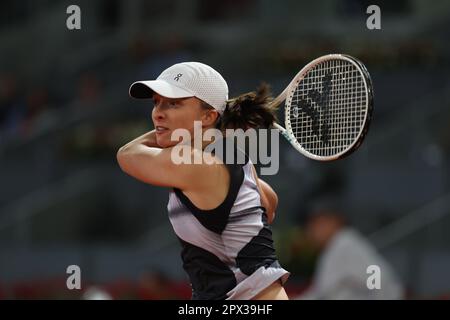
x,y
341,272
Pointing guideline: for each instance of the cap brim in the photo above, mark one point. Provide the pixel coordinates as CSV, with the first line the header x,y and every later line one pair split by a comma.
x,y
146,89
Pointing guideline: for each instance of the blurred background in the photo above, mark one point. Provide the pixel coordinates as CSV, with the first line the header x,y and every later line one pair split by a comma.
x,y
65,110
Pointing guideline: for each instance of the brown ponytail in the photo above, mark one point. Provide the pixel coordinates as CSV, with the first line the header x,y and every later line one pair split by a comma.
x,y
249,110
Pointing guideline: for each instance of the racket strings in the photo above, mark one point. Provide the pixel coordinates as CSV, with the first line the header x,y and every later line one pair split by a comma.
x,y
328,107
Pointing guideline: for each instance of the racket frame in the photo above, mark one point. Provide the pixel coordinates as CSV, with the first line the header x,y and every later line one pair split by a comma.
x,y
289,91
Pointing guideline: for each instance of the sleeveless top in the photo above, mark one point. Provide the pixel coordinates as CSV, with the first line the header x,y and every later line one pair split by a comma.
x,y
227,251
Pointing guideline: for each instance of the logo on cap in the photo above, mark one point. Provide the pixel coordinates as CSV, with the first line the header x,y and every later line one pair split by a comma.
x,y
178,77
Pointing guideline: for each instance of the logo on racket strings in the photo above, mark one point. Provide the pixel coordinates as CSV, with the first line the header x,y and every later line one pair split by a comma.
x,y
319,112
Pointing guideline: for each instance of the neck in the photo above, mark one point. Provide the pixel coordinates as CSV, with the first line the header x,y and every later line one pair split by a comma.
x,y
204,143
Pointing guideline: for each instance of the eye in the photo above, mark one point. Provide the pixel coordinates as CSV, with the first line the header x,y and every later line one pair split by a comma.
x,y
173,103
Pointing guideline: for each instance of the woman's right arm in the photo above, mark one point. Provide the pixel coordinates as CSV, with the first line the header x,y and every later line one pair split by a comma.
x,y
143,159
148,139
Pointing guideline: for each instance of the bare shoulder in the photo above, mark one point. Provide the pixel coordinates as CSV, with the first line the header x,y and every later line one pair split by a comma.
x,y
209,183
208,172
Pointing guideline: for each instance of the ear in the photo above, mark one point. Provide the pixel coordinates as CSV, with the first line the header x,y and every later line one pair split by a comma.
x,y
209,118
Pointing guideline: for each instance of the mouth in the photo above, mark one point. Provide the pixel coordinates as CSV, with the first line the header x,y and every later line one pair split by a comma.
x,y
161,130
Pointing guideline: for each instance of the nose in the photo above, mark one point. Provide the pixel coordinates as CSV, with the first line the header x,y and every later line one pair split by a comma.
x,y
158,112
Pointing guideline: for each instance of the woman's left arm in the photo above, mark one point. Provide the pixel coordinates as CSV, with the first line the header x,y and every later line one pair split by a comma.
x,y
269,198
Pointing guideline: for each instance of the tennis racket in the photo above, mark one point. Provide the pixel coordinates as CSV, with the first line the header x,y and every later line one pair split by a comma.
x,y
328,107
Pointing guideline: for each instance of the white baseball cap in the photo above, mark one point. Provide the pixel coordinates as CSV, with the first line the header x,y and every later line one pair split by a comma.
x,y
184,80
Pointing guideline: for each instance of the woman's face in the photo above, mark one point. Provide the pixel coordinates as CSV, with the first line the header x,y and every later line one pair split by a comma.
x,y
170,114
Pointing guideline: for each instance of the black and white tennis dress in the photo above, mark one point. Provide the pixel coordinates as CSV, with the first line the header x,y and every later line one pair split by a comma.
x,y
228,251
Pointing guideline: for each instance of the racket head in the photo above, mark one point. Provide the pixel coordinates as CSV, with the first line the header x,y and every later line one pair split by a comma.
x,y
329,107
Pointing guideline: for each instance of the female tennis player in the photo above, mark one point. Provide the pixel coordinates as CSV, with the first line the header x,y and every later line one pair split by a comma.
x,y
220,212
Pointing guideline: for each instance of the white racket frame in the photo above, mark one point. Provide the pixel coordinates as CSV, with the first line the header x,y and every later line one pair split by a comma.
x,y
288,93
